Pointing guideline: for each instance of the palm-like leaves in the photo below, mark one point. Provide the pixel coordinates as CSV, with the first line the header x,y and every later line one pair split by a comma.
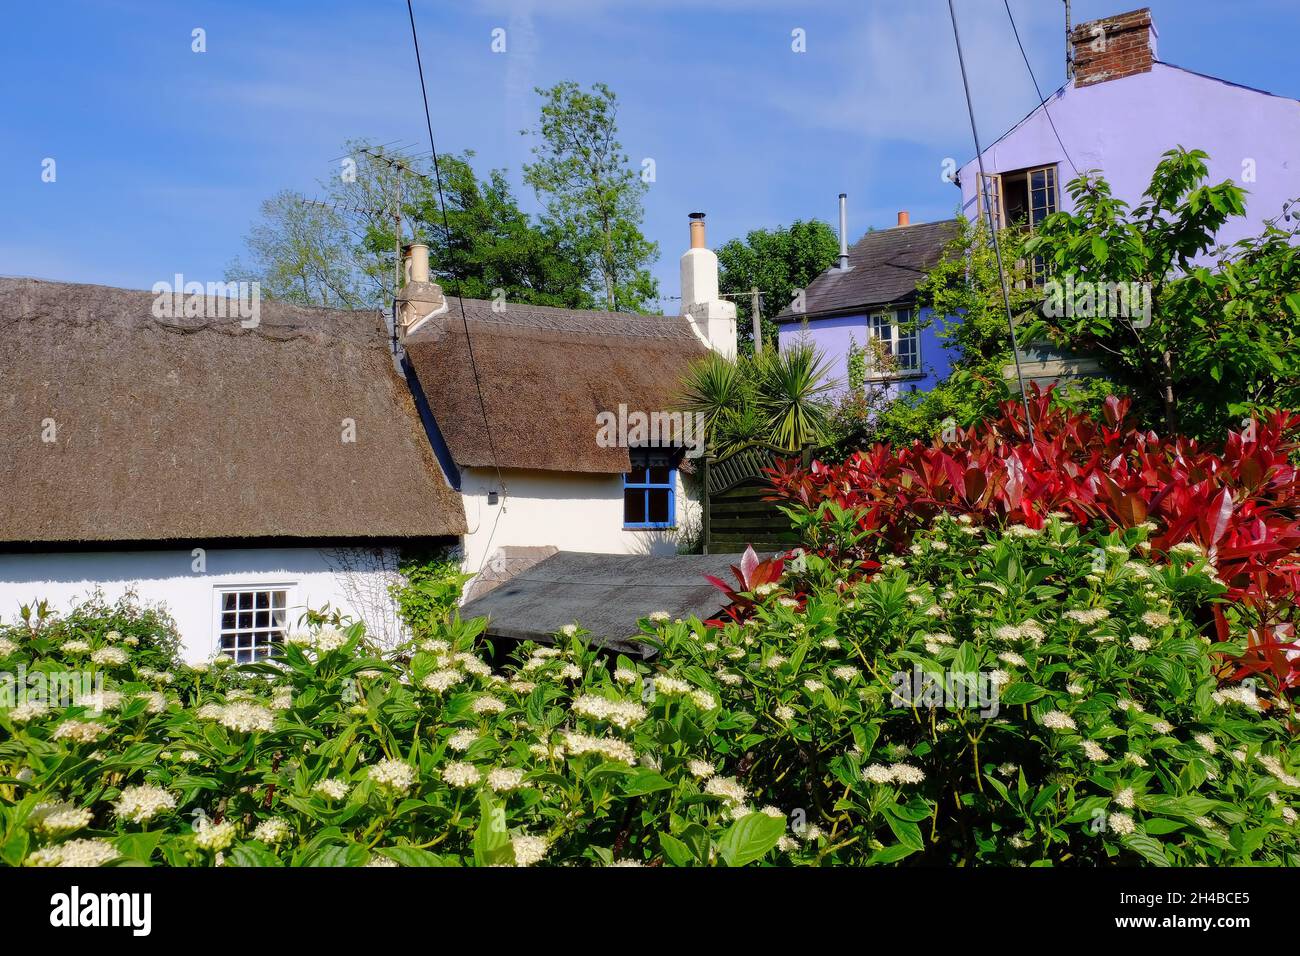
x,y
792,390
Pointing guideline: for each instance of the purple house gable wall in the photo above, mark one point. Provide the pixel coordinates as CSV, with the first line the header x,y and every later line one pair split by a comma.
x,y
1122,127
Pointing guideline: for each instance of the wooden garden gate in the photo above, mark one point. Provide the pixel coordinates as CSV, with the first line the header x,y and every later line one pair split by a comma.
x,y
735,512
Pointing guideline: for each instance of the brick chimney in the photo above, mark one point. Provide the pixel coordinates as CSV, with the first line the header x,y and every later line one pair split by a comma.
x,y
1113,47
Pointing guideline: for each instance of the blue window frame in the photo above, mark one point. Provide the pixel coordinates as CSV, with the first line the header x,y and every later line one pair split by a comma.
x,y
650,490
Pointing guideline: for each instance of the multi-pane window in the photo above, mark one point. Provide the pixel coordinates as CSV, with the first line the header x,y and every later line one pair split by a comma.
x,y
252,623
1024,197
1042,194
650,489
897,339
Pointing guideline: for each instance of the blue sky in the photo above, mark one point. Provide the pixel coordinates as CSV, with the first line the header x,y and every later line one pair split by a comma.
x,y
163,155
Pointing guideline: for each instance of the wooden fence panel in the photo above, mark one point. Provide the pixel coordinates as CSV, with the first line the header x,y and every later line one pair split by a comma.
x,y
736,513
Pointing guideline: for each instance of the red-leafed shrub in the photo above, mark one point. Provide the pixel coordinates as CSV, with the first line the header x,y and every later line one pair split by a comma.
x,y
1240,506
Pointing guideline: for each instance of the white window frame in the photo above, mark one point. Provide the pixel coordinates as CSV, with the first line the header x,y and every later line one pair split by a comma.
x,y
219,591
895,336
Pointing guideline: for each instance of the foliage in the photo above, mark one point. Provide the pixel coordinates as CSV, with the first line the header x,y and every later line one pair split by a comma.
x,y
301,252
593,197
429,590
780,398
964,290
1238,507
1224,325
148,629
340,253
777,741
777,262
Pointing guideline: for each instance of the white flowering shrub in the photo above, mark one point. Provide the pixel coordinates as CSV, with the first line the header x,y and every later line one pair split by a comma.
x,y
1110,738
1084,719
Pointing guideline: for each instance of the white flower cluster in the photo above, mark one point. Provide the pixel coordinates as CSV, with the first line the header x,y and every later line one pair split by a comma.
x,y
331,789
620,713
143,803
239,716
273,830
575,745
59,817
79,731
78,853
393,776
894,773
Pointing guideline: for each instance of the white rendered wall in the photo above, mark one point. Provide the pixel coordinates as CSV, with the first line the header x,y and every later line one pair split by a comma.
x,y
352,580
568,510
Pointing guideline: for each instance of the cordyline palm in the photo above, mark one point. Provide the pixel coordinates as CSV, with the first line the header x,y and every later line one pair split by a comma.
x,y
792,386
715,387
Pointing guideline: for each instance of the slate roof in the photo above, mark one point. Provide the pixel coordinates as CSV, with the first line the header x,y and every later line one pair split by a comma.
x,y
884,268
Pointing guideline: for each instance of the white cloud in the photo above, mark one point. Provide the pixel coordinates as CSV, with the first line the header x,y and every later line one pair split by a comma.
x,y
901,80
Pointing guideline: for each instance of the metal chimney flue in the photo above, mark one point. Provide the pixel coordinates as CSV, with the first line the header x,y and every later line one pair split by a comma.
x,y
844,231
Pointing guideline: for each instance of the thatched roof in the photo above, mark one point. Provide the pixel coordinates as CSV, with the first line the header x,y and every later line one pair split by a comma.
x,y
187,429
884,268
546,374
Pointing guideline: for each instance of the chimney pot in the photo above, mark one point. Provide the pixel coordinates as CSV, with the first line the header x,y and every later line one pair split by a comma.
x,y
844,231
904,218
697,231
415,257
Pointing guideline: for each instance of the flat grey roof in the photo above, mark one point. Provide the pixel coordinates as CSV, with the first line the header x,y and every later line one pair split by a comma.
x,y
604,593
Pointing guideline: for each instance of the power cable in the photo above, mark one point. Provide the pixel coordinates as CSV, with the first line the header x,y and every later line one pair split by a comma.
x,y
442,204
997,245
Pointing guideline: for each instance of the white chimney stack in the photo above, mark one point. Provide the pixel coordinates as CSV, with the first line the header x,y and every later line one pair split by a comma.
x,y
419,299
712,319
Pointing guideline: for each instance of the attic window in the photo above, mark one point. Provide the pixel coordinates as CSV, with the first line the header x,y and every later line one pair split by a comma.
x,y
251,623
650,489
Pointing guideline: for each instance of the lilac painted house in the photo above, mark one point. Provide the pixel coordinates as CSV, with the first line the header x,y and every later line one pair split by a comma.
x,y
869,298
1120,111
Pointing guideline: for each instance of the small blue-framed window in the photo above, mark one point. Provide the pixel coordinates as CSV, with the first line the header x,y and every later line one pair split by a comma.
x,y
650,490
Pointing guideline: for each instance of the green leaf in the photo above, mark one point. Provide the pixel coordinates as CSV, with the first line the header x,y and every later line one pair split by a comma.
x,y
1021,693
644,780
251,854
1149,848
750,838
1159,825
415,856
908,833
139,846
891,854
492,838
678,853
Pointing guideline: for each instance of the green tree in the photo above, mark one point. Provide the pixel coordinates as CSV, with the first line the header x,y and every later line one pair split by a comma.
x,y
778,262
1215,332
343,253
593,197
301,252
